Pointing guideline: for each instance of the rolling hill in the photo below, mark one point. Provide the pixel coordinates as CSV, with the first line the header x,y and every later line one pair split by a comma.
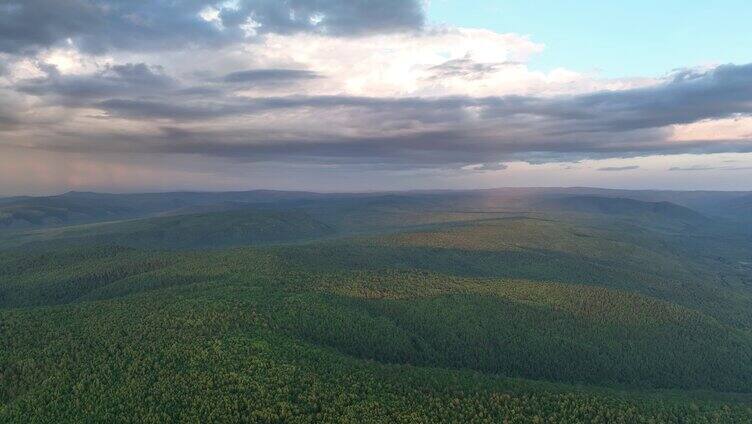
x,y
625,207
521,306
85,207
47,212
235,227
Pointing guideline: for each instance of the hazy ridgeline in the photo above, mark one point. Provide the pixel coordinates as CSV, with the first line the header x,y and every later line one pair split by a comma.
x,y
516,305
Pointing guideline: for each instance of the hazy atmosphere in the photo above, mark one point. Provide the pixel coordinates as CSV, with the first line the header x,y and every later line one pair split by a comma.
x,y
333,95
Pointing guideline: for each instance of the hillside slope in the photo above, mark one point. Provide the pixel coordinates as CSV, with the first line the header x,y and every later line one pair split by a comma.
x,y
240,335
389,308
624,207
45,212
204,230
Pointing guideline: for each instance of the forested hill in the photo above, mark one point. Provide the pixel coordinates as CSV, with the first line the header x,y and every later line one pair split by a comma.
x,y
514,306
85,207
236,227
623,206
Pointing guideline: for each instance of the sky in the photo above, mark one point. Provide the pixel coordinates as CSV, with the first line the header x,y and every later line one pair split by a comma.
x,y
616,39
367,95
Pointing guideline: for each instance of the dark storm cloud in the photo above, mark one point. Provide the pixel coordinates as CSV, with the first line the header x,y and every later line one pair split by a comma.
x,y
618,168
100,25
269,76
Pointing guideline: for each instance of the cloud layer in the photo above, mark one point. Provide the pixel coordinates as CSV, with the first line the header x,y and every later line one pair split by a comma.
x,y
212,119
359,85
101,25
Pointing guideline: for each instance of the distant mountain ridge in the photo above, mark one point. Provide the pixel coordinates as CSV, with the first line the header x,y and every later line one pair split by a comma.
x,y
50,211
76,207
623,206
85,207
205,230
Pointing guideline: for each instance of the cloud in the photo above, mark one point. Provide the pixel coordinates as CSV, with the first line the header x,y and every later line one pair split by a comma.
x,y
718,93
146,109
419,131
12,108
693,168
398,64
138,74
7,121
710,168
329,82
331,17
96,26
269,76
491,166
734,126
117,80
466,68
619,168
335,85
102,25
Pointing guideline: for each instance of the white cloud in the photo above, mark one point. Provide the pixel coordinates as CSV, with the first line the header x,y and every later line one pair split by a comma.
x,y
211,14
736,128
398,64
382,65
250,27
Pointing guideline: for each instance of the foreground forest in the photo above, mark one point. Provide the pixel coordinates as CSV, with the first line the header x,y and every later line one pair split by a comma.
x,y
572,305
